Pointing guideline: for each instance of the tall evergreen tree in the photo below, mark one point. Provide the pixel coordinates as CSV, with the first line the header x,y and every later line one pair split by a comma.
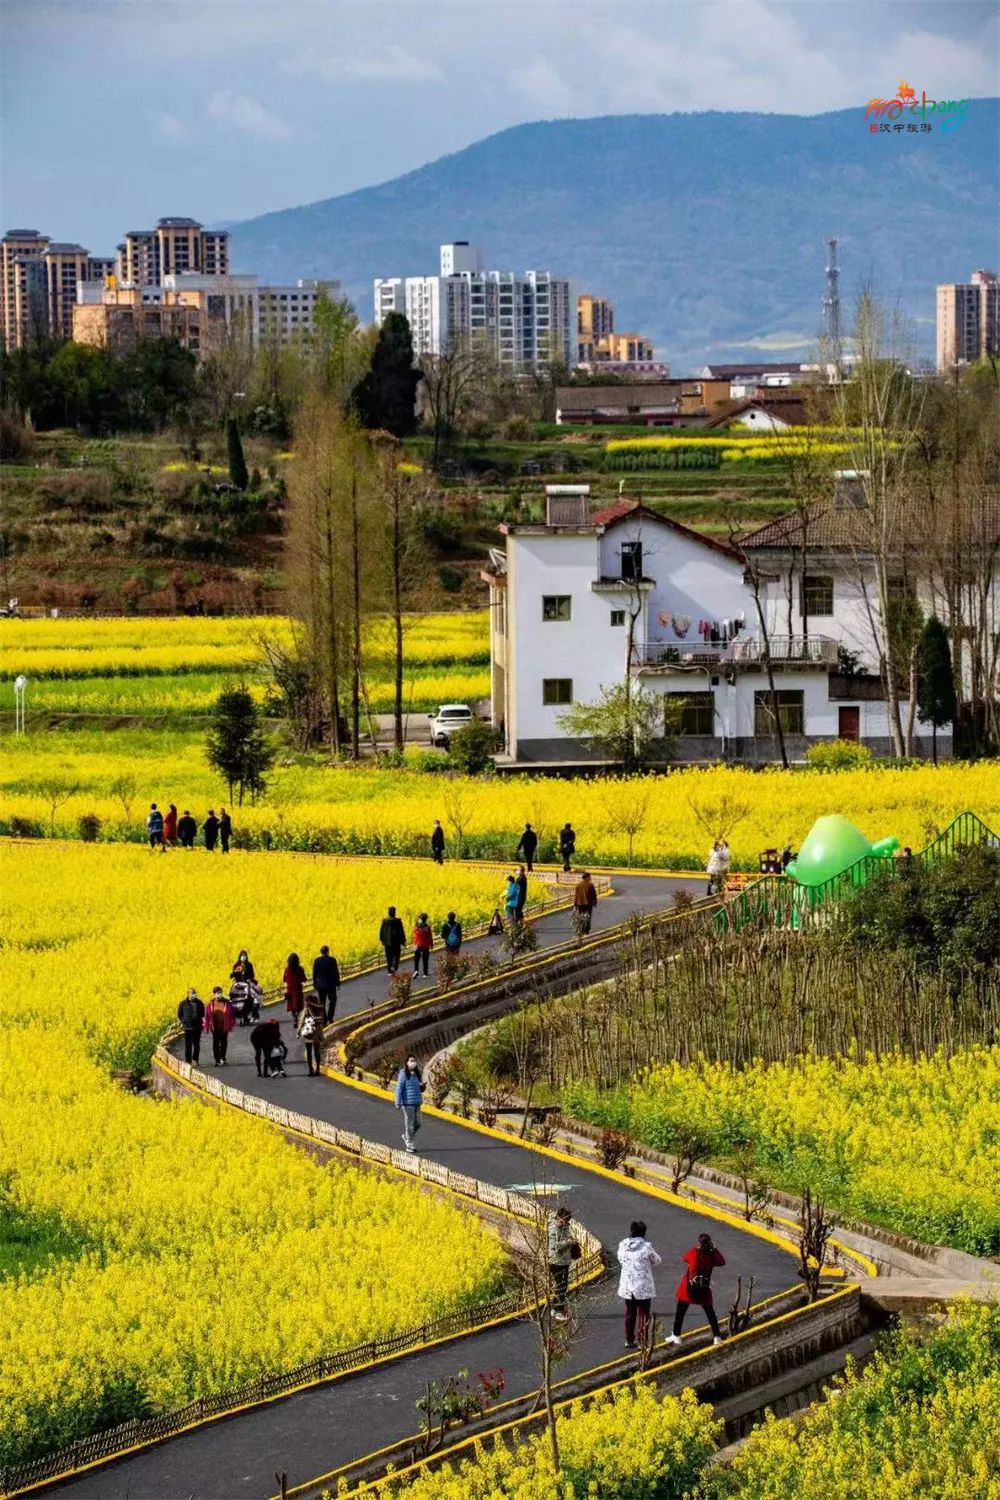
x,y
386,396
935,684
237,463
237,747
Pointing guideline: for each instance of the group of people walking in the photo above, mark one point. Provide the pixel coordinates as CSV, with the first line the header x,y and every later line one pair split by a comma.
x,y
165,830
392,940
636,1287
527,845
309,1009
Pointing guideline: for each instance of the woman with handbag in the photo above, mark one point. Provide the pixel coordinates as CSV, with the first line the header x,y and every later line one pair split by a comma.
x,y
695,1286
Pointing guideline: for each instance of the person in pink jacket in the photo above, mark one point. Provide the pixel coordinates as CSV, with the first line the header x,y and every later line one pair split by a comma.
x,y
220,1018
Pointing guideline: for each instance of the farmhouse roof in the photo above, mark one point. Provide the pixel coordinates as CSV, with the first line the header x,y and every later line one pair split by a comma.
x,y
626,509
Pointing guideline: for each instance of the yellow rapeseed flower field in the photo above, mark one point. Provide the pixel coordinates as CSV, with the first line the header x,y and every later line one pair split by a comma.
x,y
390,812
197,1248
908,1144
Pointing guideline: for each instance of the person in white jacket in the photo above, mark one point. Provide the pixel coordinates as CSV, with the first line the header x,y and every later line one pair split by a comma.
x,y
637,1258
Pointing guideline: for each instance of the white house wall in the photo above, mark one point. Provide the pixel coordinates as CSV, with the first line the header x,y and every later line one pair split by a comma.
x,y
692,579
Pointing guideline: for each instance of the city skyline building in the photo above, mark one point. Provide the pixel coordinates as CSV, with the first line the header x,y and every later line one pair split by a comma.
x,y
525,320
968,320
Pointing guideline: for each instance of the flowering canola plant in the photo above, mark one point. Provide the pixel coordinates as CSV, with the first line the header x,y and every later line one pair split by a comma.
x,y
631,1443
389,812
174,1219
909,1144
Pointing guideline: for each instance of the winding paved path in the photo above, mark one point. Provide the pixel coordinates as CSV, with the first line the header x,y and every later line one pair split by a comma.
x,y
315,1431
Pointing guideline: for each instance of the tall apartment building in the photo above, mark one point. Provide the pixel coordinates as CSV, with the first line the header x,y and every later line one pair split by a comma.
x,y
23,314
968,320
596,340
39,279
202,312
525,320
175,246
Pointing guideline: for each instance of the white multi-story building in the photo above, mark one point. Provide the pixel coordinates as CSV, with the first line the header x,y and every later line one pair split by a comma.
x,y
525,321
583,600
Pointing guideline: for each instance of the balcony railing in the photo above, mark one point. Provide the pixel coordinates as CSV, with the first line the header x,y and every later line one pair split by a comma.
x,y
745,651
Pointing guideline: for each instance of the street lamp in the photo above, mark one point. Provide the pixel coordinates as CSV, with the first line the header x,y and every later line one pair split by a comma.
x,y
20,683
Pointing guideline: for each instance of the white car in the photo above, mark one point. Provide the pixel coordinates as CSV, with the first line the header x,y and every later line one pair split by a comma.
x,y
449,717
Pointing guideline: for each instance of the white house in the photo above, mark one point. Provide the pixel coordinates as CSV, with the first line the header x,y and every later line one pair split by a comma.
x,y
580,601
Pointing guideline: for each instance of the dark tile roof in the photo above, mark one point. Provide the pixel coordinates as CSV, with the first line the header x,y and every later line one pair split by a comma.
x,y
616,397
734,372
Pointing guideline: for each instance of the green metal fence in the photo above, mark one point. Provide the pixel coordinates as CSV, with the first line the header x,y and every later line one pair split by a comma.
x,y
776,901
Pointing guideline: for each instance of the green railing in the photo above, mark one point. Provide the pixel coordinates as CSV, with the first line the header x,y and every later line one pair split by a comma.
x,y
776,901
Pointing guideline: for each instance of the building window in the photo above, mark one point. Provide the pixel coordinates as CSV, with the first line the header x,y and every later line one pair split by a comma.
x,y
791,712
557,691
697,713
632,561
557,606
617,617
817,594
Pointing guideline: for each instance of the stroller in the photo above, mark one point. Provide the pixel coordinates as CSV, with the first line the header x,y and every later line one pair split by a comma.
x,y
245,998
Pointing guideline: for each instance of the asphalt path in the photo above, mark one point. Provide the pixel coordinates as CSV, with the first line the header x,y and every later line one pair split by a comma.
x,y
315,1431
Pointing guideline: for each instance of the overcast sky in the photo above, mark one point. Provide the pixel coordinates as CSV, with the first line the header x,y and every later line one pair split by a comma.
x,y
116,112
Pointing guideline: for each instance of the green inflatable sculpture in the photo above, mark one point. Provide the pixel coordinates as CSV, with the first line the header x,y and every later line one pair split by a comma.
x,y
831,847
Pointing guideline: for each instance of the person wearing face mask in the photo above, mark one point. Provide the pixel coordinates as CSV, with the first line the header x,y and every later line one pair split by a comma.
x,y
409,1097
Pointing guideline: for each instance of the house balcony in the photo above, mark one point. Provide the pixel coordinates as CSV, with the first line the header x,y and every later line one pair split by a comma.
x,y
746,651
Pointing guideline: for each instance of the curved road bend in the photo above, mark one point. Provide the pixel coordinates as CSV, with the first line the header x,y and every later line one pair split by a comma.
x,y
318,1430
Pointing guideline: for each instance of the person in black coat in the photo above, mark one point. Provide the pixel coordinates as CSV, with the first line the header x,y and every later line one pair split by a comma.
x,y
521,881
326,981
437,842
528,845
567,845
187,830
225,830
269,1049
191,1014
210,828
392,936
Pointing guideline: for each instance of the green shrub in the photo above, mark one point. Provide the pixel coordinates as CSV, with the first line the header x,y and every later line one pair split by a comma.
x,y
89,827
472,747
838,755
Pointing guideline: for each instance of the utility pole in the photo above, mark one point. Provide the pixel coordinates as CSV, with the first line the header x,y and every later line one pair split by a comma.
x,y
831,308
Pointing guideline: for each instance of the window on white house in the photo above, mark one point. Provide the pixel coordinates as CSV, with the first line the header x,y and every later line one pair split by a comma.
x,y
632,561
557,606
557,691
791,712
697,712
617,617
817,594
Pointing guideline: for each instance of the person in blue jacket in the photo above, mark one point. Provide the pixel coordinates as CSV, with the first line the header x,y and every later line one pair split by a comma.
x,y
409,1097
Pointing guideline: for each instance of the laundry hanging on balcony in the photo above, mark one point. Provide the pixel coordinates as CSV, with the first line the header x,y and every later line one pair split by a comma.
x,y
665,618
682,624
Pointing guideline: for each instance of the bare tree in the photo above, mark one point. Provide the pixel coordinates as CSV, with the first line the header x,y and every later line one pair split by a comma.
x,y
56,794
879,410
457,808
815,1229
125,788
757,584
628,810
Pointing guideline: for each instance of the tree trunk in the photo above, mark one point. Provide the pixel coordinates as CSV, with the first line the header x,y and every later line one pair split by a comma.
x,y
356,620
333,680
397,617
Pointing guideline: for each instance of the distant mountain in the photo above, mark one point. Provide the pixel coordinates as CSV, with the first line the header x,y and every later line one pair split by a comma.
x,y
706,230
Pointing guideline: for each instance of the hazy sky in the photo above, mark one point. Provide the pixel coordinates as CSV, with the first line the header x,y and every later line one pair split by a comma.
x,y
116,112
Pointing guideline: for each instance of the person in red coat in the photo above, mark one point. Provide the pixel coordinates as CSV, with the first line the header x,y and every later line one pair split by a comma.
x,y
219,1020
170,827
695,1286
294,981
